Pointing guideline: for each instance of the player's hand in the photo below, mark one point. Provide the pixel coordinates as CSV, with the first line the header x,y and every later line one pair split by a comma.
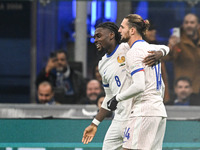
x,y
112,103
153,58
89,133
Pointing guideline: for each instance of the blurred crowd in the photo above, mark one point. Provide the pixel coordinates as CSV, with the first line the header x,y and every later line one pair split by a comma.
x,y
60,83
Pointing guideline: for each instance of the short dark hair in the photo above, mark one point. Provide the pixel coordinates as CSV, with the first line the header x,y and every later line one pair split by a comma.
x,y
183,79
112,27
62,51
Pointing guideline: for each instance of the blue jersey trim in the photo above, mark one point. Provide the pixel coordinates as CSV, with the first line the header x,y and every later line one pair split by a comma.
x,y
137,70
137,41
106,85
112,51
158,77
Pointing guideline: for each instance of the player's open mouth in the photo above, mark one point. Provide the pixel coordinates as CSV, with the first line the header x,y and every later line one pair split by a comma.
x,y
98,46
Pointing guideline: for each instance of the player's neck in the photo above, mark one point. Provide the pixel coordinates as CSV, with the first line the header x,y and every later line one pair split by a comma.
x,y
112,48
133,39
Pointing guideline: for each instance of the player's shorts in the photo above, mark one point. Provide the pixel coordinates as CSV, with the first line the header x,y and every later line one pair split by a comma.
x,y
114,137
144,133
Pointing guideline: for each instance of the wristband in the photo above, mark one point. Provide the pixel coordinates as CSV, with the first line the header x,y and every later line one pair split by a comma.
x,y
163,51
95,121
117,98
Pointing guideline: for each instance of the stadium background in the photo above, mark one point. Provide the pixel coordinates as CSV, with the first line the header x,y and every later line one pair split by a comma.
x,y
31,29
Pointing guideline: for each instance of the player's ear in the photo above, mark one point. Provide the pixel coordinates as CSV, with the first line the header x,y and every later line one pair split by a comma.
x,y
132,31
112,35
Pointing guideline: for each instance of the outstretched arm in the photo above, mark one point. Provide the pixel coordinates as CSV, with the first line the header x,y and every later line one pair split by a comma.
x,y
89,133
91,130
155,56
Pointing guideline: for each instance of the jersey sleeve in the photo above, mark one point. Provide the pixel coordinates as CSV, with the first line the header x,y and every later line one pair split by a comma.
x,y
108,92
108,96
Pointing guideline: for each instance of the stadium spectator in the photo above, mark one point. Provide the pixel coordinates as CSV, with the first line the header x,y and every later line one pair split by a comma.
x,y
184,93
185,51
46,93
69,83
93,89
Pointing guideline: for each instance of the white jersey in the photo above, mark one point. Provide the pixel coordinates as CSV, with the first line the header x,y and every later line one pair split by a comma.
x,y
113,71
150,101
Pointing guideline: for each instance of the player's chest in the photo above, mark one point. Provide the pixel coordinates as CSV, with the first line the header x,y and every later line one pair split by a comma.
x,y
114,68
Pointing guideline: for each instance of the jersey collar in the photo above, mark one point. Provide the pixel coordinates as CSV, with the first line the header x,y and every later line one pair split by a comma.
x,y
137,41
112,51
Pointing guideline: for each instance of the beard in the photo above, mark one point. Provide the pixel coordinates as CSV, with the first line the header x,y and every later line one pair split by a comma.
x,y
44,101
190,32
124,40
61,69
184,95
93,97
102,52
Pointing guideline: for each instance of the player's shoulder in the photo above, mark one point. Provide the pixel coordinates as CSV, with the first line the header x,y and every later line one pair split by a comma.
x,y
141,44
102,60
139,50
144,47
124,46
138,46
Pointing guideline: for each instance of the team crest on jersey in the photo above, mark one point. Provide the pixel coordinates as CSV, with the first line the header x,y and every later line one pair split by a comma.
x,y
121,60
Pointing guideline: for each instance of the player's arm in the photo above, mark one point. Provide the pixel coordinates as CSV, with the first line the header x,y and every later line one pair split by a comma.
x,y
155,56
104,110
136,69
91,130
136,87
